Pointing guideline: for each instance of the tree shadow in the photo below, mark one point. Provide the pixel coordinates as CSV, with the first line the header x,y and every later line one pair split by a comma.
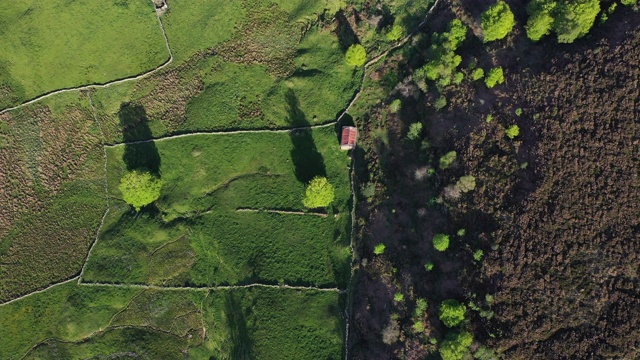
x,y
241,342
307,160
135,127
344,31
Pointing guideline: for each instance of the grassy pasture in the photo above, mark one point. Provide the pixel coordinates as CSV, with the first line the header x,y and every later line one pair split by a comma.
x,y
49,45
51,188
71,322
196,236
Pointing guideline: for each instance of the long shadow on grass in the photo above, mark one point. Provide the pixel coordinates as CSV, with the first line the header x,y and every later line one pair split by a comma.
x,y
307,160
241,342
135,127
344,31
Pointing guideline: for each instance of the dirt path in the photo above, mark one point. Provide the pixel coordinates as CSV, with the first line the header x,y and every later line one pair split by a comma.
x,y
283,212
108,84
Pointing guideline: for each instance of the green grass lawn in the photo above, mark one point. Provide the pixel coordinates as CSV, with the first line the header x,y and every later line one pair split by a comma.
x,y
71,322
197,237
49,45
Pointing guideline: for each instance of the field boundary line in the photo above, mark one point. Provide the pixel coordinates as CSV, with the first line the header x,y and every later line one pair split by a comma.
x,y
106,191
223,132
283,212
40,291
211,288
107,84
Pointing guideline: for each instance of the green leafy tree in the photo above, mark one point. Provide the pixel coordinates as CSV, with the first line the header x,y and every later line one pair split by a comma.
x,y
497,21
319,193
539,25
395,106
395,33
466,183
629,2
456,346
477,74
441,242
575,18
494,77
140,188
447,159
415,130
452,312
443,60
379,249
356,55
512,131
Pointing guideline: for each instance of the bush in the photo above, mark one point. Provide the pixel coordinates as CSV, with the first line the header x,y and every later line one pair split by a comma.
x,y
418,326
466,183
494,77
512,131
441,242
518,111
356,55
629,2
398,297
421,307
497,21
456,346
477,74
440,103
395,106
415,131
319,193
429,266
452,312
379,249
447,159
140,188
478,254
457,78
395,33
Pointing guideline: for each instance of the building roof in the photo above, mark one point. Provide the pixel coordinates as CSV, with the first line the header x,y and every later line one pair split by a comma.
x,y
349,135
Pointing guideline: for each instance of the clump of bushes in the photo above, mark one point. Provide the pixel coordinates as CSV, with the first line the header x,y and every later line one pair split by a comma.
x,y
494,77
441,242
356,55
444,60
497,21
570,20
452,312
319,193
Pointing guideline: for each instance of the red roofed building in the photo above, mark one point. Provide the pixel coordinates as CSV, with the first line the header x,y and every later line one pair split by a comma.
x,y
349,135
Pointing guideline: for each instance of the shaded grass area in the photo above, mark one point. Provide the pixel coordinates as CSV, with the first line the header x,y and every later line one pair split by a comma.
x,y
51,190
71,322
195,236
49,45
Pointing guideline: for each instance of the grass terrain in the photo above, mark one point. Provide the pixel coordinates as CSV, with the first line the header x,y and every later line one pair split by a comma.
x,y
51,187
71,322
197,237
49,45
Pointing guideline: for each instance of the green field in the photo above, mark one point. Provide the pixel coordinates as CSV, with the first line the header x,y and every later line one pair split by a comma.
x,y
50,45
196,236
52,191
72,322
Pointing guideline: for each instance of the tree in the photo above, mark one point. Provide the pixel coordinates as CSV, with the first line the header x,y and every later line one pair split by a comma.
x,y
140,188
494,77
497,21
415,130
456,346
540,22
441,242
395,33
447,159
512,131
452,312
466,183
379,249
477,74
629,2
319,193
356,55
575,18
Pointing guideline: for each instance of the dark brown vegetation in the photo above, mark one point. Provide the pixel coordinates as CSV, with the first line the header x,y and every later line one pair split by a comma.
x,y
554,210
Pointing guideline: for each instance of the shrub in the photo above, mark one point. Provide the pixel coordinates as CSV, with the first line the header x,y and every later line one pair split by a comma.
x,y
415,130
456,346
356,55
466,183
497,21
518,111
512,131
440,103
396,32
447,159
398,297
489,118
140,188
477,74
418,326
421,307
452,312
462,232
457,78
379,249
441,242
319,193
629,2
484,353
429,266
395,105
494,77
478,254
